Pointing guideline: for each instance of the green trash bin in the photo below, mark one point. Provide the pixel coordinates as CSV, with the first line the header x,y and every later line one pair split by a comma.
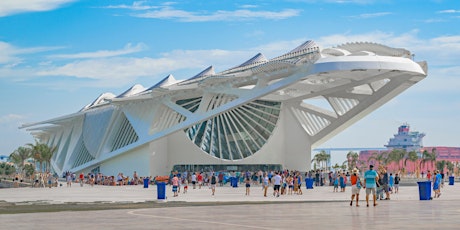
x,y
424,189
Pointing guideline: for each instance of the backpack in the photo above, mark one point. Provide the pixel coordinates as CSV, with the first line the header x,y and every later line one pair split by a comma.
x,y
213,179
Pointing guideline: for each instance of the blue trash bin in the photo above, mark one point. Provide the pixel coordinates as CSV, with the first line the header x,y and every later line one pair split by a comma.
x,y
424,189
234,182
309,183
161,190
146,182
451,180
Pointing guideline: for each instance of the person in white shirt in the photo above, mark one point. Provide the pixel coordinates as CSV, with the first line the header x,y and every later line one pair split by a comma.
x,y
276,184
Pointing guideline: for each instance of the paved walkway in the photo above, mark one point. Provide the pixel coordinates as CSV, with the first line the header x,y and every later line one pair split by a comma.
x,y
318,207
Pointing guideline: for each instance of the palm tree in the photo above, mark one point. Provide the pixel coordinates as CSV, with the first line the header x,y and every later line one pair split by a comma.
x,y
397,155
440,165
362,165
47,154
352,158
320,158
450,166
19,156
380,157
428,157
336,166
412,157
36,154
424,159
42,153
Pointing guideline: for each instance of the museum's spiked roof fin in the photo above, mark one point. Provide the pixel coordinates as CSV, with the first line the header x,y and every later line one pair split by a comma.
x,y
208,71
259,58
99,100
137,88
254,61
306,47
168,80
205,73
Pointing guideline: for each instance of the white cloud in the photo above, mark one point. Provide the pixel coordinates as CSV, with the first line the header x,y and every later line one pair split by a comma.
x,y
371,15
451,11
221,15
434,20
248,6
10,55
137,5
128,49
10,118
166,11
10,7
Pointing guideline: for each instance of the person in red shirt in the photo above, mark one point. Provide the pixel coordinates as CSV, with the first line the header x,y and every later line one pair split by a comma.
x,y
82,178
200,180
355,186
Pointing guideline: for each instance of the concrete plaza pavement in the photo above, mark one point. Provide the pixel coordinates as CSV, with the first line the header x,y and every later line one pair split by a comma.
x,y
319,207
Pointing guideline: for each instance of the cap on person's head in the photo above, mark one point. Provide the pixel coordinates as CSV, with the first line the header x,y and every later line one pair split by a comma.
x,y
371,166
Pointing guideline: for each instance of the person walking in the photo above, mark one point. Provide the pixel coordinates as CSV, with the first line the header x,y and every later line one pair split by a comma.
x,y
194,180
248,185
276,184
82,178
397,179
265,184
175,185
213,182
385,180
355,186
391,183
299,184
437,184
370,180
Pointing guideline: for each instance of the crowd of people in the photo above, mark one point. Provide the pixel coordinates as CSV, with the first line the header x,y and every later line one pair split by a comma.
x,y
378,183
101,179
284,182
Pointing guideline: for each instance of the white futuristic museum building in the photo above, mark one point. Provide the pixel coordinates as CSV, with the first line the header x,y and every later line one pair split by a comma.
x,y
262,114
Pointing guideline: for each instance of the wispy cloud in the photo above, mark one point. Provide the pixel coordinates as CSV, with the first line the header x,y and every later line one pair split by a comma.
x,y
451,11
138,5
8,118
222,15
128,49
11,7
371,15
11,55
434,20
166,11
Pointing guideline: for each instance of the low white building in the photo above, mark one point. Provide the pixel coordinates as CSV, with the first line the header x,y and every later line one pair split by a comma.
x,y
260,114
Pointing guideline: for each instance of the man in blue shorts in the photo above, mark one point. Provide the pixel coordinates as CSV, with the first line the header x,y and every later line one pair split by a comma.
x,y
370,179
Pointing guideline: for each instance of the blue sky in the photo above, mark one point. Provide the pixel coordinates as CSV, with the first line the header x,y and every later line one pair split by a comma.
x,y
56,56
